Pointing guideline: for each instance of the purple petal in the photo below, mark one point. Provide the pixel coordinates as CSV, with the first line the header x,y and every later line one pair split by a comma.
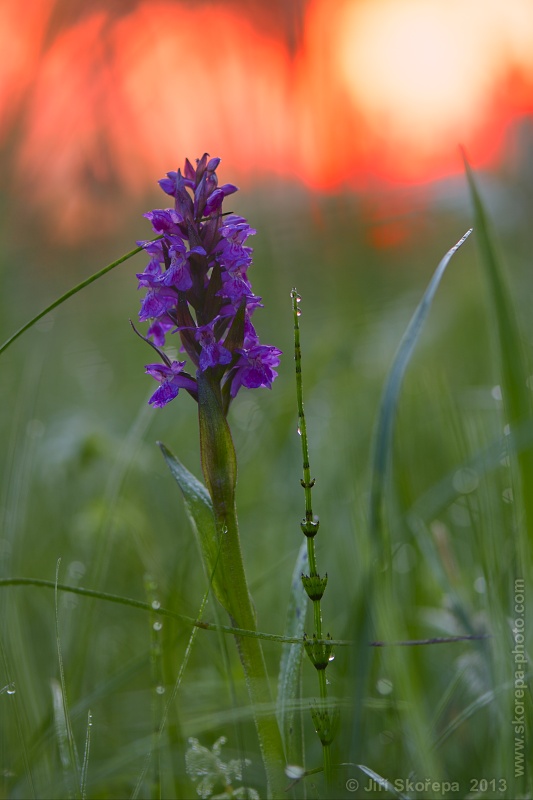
x,y
157,303
164,394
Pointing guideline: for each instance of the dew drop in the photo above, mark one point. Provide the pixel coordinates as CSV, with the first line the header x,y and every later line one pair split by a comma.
x,y
156,605
160,689
465,480
11,689
331,658
294,771
298,312
507,495
384,686
157,626
299,430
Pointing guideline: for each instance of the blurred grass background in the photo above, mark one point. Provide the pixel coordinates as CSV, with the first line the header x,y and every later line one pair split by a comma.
x,y
82,480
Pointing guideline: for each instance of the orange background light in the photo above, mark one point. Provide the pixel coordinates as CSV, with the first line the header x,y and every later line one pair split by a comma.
x,y
106,101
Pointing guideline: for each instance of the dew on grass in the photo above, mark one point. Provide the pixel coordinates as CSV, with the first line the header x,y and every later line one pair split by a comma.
x,y
10,688
157,626
465,480
160,689
384,686
76,570
496,392
156,605
507,495
294,771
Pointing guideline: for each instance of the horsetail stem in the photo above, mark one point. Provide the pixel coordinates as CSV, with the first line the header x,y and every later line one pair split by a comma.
x,y
319,651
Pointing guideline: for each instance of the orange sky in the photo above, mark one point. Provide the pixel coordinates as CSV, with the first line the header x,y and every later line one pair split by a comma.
x,y
373,91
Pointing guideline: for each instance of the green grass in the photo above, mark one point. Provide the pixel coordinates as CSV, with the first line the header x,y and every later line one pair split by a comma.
x,y
84,481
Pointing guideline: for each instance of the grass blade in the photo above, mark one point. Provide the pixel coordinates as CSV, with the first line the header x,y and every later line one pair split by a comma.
x,y
289,681
513,366
389,401
86,752
67,743
380,598
68,294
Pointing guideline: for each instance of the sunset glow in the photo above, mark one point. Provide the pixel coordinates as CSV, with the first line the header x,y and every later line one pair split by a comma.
x,y
429,73
373,92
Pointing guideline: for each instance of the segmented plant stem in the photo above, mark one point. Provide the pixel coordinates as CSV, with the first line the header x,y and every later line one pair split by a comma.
x,y
313,584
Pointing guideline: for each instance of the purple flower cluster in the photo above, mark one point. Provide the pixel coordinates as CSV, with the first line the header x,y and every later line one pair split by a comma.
x,y
197,286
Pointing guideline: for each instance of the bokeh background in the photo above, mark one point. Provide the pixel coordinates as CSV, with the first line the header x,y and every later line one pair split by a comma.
x,y
340,121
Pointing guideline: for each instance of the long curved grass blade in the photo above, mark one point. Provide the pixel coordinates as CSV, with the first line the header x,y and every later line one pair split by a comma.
x,y
68,294
513,369
86,752
389,401
289,681
164,612
380,599
67,743
472,708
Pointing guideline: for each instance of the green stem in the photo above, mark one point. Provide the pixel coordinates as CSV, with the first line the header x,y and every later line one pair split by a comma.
x,y
313,584
71,293
220,472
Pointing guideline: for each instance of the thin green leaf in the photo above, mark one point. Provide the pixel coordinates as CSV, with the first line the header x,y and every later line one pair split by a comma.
x,y
289,681
472,708
62,736
513,366
86,752
200,512
380,598
67,743
389,402
165,612
70,293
